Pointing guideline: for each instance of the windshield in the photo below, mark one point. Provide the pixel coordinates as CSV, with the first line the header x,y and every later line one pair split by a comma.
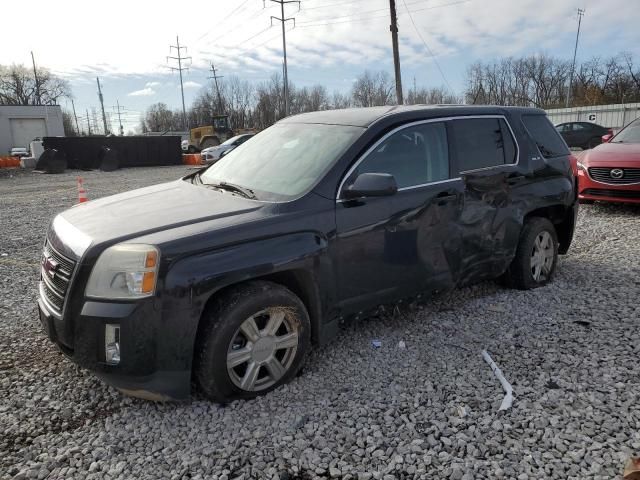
x,y
630,134
283,161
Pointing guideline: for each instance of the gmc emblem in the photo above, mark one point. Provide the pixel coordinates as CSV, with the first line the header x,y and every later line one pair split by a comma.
x,y
50,266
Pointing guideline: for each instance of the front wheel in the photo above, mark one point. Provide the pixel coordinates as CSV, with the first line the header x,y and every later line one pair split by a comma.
x,y
536,255
255,339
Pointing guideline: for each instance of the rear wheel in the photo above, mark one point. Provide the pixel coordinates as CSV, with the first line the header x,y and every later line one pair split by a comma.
x,y
255,339
536,256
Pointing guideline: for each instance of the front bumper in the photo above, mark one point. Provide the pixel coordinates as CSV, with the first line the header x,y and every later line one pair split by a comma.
x,y
141,371
589,189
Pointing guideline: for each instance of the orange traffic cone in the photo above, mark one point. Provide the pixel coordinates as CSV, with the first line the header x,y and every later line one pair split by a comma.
x,y
82,193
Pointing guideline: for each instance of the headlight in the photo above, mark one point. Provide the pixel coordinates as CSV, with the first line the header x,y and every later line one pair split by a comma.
x,y
581,167
125,271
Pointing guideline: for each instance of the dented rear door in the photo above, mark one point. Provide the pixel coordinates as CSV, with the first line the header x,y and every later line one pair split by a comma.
x,y
486,157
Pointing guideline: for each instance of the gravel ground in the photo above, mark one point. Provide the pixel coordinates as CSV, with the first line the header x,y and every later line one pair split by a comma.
x,y
429,410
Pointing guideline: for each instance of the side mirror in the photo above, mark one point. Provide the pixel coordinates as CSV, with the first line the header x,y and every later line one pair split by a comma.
x,y
607,138
372,185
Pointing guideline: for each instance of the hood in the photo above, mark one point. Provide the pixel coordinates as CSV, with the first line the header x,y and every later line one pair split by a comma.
x,y
613,154
151,209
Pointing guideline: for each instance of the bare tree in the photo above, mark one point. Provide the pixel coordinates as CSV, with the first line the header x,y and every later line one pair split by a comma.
x,y
18,86
372,89
542,81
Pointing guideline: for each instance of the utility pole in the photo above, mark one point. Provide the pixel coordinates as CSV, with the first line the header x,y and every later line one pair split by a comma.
x,y
180,68
118,108
35,75
396,52
575,51
215,78
88,122
283,21
75,116
104,116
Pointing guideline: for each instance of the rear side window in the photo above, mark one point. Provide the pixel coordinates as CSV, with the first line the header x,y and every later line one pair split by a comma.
x,y
541,130
483,143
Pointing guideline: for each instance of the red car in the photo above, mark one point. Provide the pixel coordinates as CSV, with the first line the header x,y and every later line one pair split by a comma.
x,y
611,171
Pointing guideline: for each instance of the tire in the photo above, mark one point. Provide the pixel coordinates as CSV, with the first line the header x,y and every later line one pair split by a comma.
x,y
587,202
537,232
231,364
209,142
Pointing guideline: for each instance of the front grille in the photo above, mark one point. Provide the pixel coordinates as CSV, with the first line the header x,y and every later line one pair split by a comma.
x,y
603,174
55,274
611,193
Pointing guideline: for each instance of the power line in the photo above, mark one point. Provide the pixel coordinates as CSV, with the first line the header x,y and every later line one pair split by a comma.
x,y
283,20
435,60
232,25
348,18
221,22
180,68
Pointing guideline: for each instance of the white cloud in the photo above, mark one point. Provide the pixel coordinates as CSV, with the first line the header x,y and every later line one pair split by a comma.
x,y
145,92
152,84
192,84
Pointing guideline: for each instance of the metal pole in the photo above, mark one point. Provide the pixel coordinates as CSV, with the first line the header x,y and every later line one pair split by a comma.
x,y
88,122
104,116
184,109
575,51
119,118
75,116
215,79
396,52
35,75
284,53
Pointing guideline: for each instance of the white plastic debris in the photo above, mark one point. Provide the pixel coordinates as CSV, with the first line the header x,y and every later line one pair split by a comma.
x,y
402,345
376,343
508,397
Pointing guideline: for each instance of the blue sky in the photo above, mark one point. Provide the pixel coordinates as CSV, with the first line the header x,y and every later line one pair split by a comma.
x,y
333,41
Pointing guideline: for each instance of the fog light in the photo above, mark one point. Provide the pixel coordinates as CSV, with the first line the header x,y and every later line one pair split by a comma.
x,y
112,344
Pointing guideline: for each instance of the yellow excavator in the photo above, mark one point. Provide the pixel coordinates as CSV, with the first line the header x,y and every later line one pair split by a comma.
x,y
211,135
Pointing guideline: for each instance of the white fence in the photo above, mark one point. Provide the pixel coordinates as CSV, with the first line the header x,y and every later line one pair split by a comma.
x,y
611,116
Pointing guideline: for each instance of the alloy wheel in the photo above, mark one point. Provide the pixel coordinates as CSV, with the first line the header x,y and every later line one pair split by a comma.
x,y
263,349
542,256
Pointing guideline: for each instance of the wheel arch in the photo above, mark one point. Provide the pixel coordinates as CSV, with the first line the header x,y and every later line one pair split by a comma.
x,y
563,219
298,280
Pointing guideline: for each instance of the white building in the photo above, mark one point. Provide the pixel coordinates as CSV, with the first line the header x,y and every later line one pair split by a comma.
x,y
610,116
19,125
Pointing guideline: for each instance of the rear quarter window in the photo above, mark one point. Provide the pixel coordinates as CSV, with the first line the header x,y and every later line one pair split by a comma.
x,y
547,138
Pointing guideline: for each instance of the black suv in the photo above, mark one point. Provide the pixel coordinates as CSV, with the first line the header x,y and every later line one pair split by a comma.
x,y
228,275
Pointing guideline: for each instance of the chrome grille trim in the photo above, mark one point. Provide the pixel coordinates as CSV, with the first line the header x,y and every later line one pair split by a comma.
x,y
630,176
54,290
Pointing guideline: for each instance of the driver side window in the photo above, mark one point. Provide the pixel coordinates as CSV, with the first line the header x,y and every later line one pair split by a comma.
x,y
415,156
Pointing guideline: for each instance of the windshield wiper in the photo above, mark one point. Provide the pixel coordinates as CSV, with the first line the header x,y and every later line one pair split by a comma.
x,y
232,187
